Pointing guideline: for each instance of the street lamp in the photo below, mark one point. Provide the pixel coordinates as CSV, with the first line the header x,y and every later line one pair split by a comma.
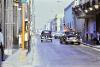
x,y
86,11
90,8
96,6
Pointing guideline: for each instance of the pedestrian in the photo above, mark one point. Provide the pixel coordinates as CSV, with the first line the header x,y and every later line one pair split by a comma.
x,y
2,45
98,38
94,38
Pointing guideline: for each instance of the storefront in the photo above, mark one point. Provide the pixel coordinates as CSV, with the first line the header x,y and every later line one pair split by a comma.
x,y
98,22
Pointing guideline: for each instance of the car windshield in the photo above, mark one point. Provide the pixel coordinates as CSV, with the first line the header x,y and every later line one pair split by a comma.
x,y
46,33
69,33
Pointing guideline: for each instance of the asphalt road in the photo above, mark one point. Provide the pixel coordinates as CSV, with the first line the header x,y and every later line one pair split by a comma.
x,y
54,54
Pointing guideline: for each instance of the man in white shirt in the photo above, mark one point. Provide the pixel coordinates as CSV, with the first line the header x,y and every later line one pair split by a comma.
x,y
2,45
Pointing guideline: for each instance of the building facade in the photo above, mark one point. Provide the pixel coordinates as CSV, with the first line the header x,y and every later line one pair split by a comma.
x,y
53,25
69,21
56,24
88,10
6,21
11,20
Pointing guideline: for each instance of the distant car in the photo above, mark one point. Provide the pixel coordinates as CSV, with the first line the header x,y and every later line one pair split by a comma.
x,y
46,35
58,35
71,38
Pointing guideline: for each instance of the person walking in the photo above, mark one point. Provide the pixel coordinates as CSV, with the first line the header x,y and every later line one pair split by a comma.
x,y
1,45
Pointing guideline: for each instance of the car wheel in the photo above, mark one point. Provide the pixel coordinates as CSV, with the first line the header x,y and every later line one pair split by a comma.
x,y
66,42
61,42
41,40
78,43
51,40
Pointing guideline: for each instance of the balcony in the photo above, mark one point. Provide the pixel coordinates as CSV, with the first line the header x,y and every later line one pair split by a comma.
x,y
88,9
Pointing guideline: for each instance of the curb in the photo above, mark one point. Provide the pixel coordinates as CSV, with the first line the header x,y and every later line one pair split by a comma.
x,y
90,45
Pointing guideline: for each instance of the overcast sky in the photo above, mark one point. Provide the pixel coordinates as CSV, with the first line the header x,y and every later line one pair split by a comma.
x,y
45,10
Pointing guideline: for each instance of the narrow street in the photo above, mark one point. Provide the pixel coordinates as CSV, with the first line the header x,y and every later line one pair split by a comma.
x,y
44,33
53,54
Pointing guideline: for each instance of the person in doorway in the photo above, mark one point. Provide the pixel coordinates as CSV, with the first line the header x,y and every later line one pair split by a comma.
x,y
94,38
1,45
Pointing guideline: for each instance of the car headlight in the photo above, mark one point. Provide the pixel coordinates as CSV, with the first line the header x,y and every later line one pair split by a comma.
x,y
42,37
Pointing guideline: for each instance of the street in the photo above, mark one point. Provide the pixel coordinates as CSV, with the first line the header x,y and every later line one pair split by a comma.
x,y
25,24
54,54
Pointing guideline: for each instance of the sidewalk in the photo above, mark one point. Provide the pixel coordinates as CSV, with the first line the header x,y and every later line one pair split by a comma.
x,y
18,59
89,43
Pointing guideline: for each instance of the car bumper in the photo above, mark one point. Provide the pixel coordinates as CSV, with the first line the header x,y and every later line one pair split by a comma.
x,y
46,38
72,41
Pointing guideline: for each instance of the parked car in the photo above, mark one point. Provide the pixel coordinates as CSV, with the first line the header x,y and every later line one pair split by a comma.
x,y
46,35
58,35
71,38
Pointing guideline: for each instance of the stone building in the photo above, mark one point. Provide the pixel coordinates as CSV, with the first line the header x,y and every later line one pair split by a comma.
x,y
8,21
89,10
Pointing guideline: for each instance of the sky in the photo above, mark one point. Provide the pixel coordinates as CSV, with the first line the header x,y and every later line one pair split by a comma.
x,y
45,10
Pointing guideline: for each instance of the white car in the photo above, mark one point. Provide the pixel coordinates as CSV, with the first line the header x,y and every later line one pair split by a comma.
x,y
58,35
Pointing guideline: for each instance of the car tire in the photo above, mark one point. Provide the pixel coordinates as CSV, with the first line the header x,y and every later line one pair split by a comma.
x,y
79,43
61,42
41,40
51,40
66,42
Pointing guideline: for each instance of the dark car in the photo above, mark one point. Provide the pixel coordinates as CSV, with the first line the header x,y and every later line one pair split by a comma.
x,y
46,35
71,38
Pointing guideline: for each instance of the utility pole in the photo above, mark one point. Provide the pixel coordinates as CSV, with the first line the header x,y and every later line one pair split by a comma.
x,y
23,25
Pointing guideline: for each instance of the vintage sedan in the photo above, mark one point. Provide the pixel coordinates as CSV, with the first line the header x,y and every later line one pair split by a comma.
x,y
46,35
70,38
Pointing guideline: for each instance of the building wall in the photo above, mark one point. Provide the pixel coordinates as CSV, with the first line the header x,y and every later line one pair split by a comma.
x,y
80,25
91,25
0,12
69,16
73,21
98,23
9,24
88,25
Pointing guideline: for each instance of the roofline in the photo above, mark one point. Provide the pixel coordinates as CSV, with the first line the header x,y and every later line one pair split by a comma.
x,y
69,5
